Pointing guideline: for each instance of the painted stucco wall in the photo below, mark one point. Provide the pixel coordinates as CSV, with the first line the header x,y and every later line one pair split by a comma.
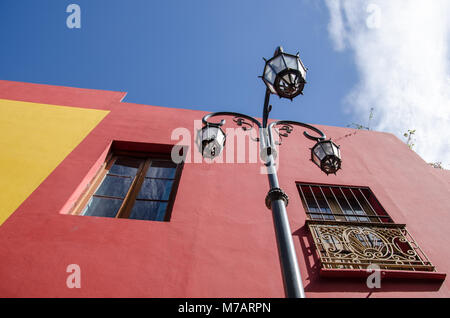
x,y
220,240
34,139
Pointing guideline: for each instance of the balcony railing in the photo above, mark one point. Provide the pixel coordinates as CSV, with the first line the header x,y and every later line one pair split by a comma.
x,y
346,245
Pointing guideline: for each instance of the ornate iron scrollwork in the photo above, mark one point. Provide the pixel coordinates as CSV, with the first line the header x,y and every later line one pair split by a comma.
x,y
283,131
287,128
248,122
357,247
245,125
244,121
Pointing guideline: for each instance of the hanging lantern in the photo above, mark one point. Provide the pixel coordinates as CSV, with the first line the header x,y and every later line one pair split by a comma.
x,y
212,141
326,154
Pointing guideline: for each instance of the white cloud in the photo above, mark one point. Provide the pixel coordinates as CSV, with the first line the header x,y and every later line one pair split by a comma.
x,y
401,51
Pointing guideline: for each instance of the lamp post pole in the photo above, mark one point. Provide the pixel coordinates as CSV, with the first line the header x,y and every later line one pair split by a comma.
x,y
277,200
283,75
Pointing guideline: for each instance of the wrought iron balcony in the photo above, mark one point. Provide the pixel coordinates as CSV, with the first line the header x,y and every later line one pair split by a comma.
x,y
349,245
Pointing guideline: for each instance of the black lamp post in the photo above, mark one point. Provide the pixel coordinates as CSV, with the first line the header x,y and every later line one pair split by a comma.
x,y
284,75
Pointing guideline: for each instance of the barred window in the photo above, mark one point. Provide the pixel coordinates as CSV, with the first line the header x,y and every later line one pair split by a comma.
x,y
351,230
340,203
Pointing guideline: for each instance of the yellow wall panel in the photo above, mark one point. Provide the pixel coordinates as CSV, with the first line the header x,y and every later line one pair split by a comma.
x,y
34,139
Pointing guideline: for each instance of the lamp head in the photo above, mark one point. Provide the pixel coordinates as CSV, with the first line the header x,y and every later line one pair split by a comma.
x,y
327,155
212,141
284,74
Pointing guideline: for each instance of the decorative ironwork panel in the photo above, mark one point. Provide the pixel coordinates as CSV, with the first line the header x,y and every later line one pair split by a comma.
x,y
352,246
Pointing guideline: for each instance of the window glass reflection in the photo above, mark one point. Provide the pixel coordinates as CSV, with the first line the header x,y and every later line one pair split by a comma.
x,y
102,207
149,210
155,189
125,166
161,169
113,186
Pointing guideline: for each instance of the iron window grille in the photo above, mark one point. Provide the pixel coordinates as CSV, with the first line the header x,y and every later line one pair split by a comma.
x,y
341,203
351,230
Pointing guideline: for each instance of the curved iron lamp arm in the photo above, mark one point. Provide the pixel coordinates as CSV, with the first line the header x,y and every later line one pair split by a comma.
x,y
222,122
288,123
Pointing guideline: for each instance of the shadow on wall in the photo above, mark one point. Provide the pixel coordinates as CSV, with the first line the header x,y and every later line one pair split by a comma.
x,y
317,284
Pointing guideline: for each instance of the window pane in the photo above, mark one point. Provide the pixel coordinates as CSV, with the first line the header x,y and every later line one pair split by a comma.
x,y
310,202
323,205
365,205
343,203
334,205
354,205
379,210
360,205
162,169
125,166
311,205
149,210
114,186
324,208
102,207
155,189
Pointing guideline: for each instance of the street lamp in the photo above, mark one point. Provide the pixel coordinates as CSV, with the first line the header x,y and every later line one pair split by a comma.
x,y
327,155
212,141
284,75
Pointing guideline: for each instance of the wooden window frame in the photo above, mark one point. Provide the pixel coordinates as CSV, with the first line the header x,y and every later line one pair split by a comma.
x,y
133,191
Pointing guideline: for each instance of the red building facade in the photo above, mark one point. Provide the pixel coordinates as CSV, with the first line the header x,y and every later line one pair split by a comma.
x,y
218,240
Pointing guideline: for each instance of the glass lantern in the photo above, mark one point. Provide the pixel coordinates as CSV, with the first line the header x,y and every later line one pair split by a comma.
x,y
212,141
285,75
326,154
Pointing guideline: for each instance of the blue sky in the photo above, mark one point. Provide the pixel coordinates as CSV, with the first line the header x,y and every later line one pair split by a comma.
x,y
207,55
198,54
